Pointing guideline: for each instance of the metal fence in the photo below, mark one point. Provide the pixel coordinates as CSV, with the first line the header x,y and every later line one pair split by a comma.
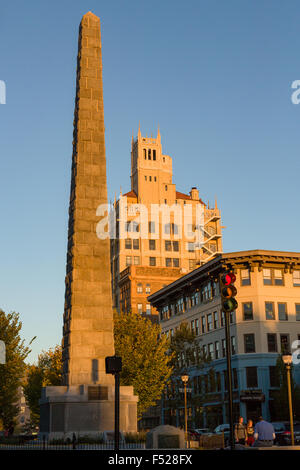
x,y
19,444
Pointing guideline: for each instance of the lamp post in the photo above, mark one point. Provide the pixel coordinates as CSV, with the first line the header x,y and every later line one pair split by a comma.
x,y
287,359
185,379
113,365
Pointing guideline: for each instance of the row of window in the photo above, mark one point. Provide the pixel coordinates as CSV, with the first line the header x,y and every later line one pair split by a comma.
x,y
141,309
212,381
169,262
271,277
135,244
207,291
282,313
249,343
150,154
133,226
139,288
210,322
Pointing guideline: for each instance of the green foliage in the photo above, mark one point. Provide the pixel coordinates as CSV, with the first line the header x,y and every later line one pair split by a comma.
x,y
185,350
48,371
12,372
146,364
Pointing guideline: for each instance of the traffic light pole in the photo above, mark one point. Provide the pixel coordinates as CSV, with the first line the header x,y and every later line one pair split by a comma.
x,y
229,379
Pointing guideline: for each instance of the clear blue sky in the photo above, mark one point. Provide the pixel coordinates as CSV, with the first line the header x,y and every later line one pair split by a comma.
x,y
215,75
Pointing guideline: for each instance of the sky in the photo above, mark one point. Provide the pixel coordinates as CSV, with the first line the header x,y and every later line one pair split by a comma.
x,y
215,76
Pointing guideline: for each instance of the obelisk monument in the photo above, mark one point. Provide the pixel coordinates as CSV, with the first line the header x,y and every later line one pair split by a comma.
x,y
84,404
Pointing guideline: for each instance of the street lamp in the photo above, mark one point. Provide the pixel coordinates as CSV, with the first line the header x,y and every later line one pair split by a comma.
x,y
287,359
185,379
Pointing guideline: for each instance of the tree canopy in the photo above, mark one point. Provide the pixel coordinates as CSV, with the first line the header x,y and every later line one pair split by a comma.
x,y
48,371
146,364
12,372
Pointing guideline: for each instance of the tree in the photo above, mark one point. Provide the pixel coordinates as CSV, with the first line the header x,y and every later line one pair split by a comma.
x,y
146,364
12,372
48,371
281,404
185,352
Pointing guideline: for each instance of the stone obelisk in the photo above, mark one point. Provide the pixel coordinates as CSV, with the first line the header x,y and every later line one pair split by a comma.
x,y
85,402
88,320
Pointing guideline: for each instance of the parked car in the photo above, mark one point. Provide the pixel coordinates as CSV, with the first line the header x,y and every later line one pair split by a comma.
x,y
283,433
202,431
223,428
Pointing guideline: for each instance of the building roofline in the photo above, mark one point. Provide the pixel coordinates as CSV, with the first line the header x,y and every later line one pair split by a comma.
x,y
223,259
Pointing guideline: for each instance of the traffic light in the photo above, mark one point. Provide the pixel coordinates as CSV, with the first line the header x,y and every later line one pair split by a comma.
x,y
228,291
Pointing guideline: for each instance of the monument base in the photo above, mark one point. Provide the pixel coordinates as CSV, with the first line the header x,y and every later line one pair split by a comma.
x,y
85,410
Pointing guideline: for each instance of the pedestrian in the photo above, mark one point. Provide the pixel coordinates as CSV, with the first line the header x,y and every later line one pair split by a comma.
x,y
240,432
264,434
250,433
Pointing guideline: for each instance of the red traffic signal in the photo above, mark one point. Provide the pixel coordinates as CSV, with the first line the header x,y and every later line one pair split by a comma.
x,y
228,291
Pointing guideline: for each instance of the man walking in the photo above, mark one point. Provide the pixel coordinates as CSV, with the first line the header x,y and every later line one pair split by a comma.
x,y
264,434
240,432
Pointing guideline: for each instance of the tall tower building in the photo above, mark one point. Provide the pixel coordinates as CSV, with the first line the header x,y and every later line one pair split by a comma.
x,y
142,263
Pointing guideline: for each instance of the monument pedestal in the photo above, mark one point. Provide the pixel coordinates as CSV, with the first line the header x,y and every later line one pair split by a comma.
x,y
86,410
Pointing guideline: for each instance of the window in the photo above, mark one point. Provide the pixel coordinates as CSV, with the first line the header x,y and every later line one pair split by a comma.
x,y
274,377
149,154
285,344
151,227
247,311
148,289
270,312
251,376
152,261
222,319
148,309
145,154
296,278
223,347
233,345
168,262
273,277
267,277
278,277
154,177
136,260
272,342
171,229
297,312
176,262
166,187
218,381
168,245
216,320
140,308
139,288
196,327
191,247
152,245
192,264
245,277
136,244
128,261
193,326
217,349
128,244
209,322
249,342
282,313
203,324
154,154
235,379
150,178
175,245
211,351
